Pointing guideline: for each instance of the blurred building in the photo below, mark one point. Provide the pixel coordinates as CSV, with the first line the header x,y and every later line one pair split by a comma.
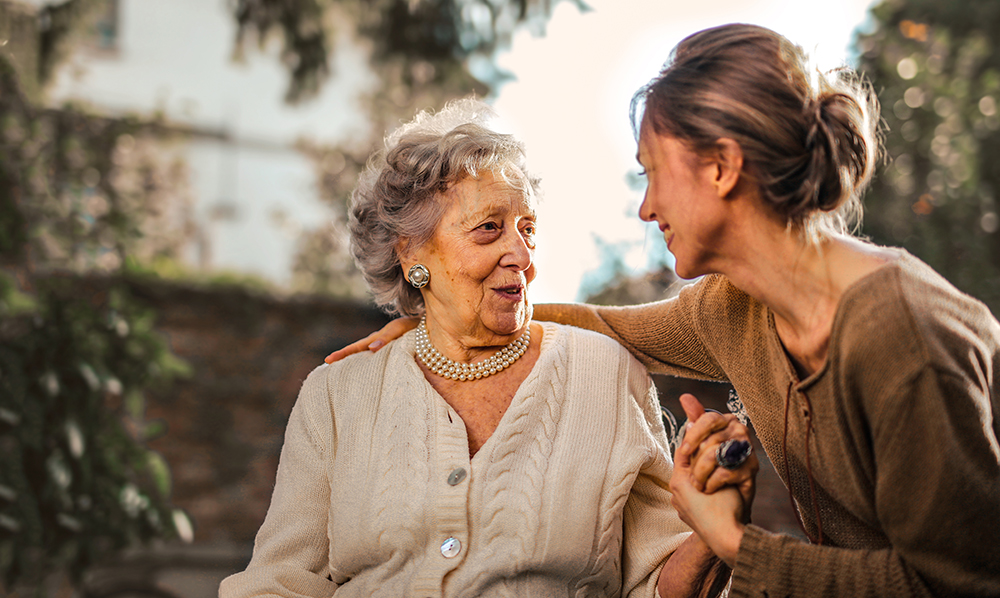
x,y
253,193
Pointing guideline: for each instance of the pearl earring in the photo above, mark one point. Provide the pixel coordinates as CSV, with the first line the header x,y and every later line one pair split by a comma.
x,y
419,276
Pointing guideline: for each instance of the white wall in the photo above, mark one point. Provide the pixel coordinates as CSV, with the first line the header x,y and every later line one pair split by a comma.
x,y
174,57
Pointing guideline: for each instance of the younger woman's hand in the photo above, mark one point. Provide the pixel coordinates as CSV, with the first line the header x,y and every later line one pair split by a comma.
x,y
714,501
716,517
705,432
376,340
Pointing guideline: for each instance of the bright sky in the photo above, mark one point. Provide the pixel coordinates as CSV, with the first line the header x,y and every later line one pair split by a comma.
x,y
570,106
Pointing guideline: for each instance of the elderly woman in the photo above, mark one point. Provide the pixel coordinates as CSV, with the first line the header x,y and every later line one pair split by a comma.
x,y
470,458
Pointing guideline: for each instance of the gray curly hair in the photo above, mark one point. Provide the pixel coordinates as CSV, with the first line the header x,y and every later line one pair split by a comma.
x,y
398,196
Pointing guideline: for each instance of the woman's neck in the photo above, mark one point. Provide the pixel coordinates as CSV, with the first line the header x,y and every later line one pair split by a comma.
x,y
467,344
802,284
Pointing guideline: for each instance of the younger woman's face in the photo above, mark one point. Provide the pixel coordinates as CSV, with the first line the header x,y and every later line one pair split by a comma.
x,y
682,198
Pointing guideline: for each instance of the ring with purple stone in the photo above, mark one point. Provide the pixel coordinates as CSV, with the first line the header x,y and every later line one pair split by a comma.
x,y
733,453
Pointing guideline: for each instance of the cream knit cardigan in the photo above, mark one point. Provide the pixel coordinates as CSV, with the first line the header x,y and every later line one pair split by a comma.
x,y
567,498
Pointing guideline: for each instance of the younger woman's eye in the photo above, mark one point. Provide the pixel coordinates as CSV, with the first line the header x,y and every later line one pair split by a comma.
x,y
642,172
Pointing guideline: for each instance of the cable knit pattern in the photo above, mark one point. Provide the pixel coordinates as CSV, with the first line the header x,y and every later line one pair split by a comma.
x,y
512,508
546,508
608,546
402,468
608,541
904,446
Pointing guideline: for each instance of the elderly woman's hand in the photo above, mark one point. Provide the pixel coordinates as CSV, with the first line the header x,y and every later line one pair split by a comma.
x,y
376,340
705,432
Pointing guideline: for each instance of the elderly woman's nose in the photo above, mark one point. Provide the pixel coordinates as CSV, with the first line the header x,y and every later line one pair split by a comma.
x,y
517,251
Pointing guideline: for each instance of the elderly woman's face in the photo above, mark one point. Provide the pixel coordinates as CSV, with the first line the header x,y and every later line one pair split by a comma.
x,y
481,260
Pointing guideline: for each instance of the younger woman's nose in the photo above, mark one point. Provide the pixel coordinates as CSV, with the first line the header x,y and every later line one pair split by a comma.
x,y
645,211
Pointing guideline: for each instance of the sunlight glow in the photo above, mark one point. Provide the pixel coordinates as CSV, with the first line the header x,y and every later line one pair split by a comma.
x,y
570,102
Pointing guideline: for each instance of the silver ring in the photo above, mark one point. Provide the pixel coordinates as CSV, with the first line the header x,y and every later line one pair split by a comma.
x,y
419,275
733,453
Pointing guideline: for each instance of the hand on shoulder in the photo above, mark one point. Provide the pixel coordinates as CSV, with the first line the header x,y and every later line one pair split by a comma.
x,y
376,340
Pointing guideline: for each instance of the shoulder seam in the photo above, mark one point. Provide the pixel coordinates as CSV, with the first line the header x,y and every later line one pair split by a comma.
x,y
308,406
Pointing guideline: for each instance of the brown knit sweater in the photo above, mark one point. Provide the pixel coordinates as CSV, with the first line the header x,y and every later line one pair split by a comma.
x,y
903,450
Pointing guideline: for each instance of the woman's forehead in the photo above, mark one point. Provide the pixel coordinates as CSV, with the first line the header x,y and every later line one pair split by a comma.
x,y
491,192
646,135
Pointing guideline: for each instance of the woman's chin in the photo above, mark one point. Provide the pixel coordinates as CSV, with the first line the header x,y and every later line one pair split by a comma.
x,y
685,272
510,323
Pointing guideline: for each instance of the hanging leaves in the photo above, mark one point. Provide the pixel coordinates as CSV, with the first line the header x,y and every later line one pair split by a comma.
x,y
78,193
407,33
76,480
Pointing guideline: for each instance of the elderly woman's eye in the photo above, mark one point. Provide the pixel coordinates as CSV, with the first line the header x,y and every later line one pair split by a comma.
x,y
489,226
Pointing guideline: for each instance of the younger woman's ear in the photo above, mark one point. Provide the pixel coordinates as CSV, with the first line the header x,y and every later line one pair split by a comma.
x,y
729,165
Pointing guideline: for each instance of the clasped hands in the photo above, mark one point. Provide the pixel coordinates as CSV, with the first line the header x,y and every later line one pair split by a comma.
x,y
714,501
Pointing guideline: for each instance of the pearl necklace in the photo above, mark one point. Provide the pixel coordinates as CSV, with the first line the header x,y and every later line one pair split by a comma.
x,y
453,370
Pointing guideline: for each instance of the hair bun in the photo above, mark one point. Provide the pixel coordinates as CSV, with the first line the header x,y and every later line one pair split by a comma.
x,y
841,154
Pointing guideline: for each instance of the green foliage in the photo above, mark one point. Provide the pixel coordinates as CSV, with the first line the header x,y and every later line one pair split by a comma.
x,y
163,268
76,481
426,41
78,194
60,26
936,68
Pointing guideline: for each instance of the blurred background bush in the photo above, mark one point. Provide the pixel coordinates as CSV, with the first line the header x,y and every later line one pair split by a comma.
x,y
148,362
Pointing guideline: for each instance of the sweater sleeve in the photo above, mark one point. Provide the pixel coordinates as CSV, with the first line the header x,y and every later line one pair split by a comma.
x,y
291,552
652,527
664,335
937,496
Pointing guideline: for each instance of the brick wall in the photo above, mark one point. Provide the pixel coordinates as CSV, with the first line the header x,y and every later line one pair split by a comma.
x,y
225,424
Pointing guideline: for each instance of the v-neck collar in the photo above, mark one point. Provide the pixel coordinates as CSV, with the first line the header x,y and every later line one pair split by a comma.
x,y
847,297
517,403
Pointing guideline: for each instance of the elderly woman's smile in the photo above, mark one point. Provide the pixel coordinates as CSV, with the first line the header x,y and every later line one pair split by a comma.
x,y
481,262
